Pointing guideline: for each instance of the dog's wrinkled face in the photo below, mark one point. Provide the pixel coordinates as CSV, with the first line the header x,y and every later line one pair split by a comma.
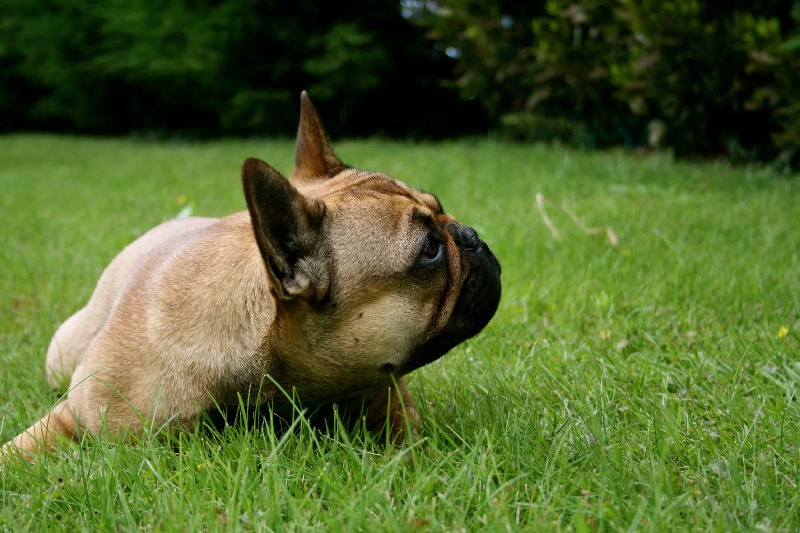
x,y
410,282
372,277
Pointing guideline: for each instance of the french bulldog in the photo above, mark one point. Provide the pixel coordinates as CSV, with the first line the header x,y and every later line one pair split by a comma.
x,y
333,285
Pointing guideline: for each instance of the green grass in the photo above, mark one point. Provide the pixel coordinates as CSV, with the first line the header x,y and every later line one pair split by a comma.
x,y
644,386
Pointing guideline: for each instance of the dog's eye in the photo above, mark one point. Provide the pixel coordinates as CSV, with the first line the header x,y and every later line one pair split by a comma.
x,y
431,251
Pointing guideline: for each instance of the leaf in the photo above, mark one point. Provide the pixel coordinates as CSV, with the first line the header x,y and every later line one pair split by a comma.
x,y
185,212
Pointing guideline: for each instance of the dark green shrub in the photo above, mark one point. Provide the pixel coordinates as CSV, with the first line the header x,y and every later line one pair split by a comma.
x,y
696,76
214,67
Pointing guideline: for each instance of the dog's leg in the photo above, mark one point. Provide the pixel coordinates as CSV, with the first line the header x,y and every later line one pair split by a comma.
x,y
392,411
44,434
69,344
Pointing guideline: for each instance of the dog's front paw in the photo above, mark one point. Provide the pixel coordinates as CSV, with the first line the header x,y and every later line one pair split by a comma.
x,y
404,425
392,416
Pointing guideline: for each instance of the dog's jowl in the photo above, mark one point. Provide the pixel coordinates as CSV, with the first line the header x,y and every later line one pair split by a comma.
x,y
331,287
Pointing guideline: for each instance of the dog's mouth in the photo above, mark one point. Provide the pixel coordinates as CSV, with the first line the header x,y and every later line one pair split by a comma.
x,y
476,304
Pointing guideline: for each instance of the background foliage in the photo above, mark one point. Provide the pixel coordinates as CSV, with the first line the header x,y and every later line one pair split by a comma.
x,y
696,76
690,75
221,67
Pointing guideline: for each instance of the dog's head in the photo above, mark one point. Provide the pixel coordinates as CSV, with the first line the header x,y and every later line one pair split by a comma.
x,y
371,278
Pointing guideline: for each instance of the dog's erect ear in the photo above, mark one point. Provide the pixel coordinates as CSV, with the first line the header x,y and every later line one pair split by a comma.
x,y
313,157
287,228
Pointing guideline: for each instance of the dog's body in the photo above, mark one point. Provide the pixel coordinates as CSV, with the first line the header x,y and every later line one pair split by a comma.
x,y
332,286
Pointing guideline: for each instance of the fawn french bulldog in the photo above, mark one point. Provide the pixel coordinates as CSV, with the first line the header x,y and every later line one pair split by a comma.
x,y
333,284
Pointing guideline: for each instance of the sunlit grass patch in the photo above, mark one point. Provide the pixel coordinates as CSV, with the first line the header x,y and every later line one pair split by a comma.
x,y
649,382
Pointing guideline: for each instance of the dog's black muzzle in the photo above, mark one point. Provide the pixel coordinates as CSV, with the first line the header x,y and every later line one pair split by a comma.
x,y
477,302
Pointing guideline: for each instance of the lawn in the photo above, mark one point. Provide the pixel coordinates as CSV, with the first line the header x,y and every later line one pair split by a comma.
x,y
644,377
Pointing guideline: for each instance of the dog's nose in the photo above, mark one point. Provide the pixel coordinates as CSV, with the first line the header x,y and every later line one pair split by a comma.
x,y
465,236
469,238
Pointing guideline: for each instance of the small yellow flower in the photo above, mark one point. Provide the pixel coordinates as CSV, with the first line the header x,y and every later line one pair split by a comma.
x,y
181,199
605,335
782,332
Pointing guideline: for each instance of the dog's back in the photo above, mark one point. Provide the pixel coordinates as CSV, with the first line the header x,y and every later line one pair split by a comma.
x,y
114,348
70,342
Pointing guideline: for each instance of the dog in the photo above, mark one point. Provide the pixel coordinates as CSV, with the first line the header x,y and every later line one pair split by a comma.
x,y
328,289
